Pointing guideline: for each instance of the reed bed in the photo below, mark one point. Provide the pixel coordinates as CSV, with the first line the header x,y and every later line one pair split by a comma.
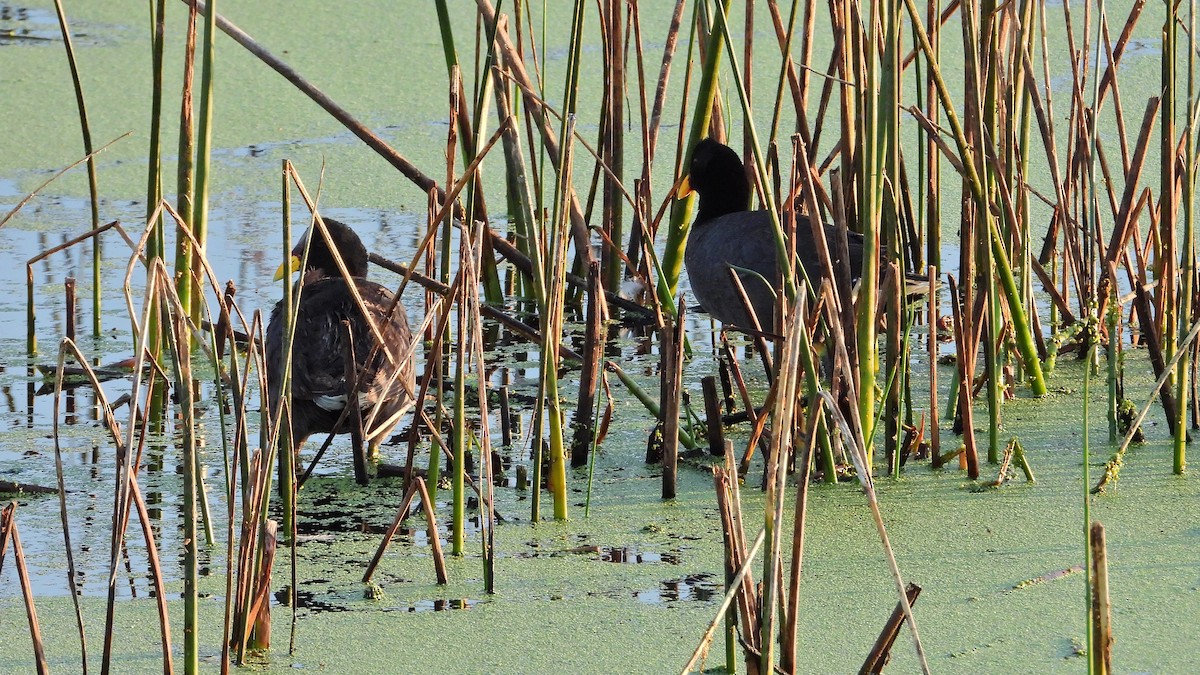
x,y
883,134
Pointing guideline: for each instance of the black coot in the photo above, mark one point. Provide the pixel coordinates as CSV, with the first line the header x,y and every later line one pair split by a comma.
x,y
319,388
727,235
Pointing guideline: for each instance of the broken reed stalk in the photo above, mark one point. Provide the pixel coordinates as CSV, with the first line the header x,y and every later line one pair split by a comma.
x,y
880,652
965,378
712,413
8,533
593,352
672,345
69,307
935,436
1100,647
435,542
597,437
401,516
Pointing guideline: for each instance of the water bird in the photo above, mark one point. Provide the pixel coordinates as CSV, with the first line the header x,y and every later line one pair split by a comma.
x,y
726,234
328,316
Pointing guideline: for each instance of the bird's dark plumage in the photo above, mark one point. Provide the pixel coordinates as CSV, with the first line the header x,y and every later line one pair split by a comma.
x,y
319,388
727,235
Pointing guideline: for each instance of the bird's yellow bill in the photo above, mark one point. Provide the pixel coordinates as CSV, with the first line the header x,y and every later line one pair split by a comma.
x,y
288,268
685,188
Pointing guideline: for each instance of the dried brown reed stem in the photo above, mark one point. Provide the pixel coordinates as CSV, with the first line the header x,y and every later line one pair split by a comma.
x,y
487,497
892,292
435,542
260,607
8,533
156,576
230,539
966,374
935,435
760,340
735,373
1100,650
784,414
593,352
506,427
1151,338
253,507
791,603
401,516
357,430
180,342
712,414
880,652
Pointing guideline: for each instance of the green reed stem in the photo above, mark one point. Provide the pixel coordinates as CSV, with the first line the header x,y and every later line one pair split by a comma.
x,y
281,415
1087,501
1187,264
185,173
1114,341
93,189
199,222
182,364
156,246
1164,270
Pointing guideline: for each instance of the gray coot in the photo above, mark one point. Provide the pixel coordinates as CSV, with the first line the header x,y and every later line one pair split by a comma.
x,y
727,235
319,387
